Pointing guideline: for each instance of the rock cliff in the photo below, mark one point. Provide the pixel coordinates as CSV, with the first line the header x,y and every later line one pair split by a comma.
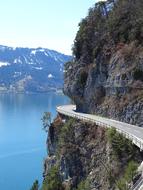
x,y
106,76
87,154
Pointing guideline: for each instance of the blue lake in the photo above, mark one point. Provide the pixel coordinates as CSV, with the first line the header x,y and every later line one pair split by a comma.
x,y
22,140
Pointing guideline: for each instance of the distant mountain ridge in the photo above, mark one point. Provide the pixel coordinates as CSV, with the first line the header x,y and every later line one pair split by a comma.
x,y
31,69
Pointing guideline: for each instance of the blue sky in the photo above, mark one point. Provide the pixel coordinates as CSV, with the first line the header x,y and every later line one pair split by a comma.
x,y
41,23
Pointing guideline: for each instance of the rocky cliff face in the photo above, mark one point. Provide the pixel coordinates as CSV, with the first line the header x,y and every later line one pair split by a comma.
x,y
106,76
84,153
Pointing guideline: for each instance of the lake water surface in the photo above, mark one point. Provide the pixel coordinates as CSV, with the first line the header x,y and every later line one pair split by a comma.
x,y
22,140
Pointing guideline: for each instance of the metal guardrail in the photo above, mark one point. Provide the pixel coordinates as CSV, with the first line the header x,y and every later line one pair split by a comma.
x,y
137,141
138,184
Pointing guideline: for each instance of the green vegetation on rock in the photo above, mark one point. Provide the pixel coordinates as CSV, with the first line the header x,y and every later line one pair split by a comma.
x,y
130,172
120,144
66,133
84,185
117,24
53,180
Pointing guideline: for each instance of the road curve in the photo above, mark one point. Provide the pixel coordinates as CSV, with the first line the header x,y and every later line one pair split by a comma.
x,y
131,132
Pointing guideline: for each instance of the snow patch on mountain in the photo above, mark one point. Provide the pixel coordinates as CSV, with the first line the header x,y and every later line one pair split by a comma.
x,y
4,64
33,52
38,68
50,76
41,50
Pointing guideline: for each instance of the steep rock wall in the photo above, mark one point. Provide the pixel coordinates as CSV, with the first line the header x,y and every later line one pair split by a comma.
x,y
106,75
83,152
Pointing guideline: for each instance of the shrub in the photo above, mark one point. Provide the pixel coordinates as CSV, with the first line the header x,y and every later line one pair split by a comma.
x,y
66,133
53,180
120,144
130,172
84,185
121,184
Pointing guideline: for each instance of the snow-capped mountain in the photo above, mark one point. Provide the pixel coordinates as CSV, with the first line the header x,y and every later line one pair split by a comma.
x,y
31,70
